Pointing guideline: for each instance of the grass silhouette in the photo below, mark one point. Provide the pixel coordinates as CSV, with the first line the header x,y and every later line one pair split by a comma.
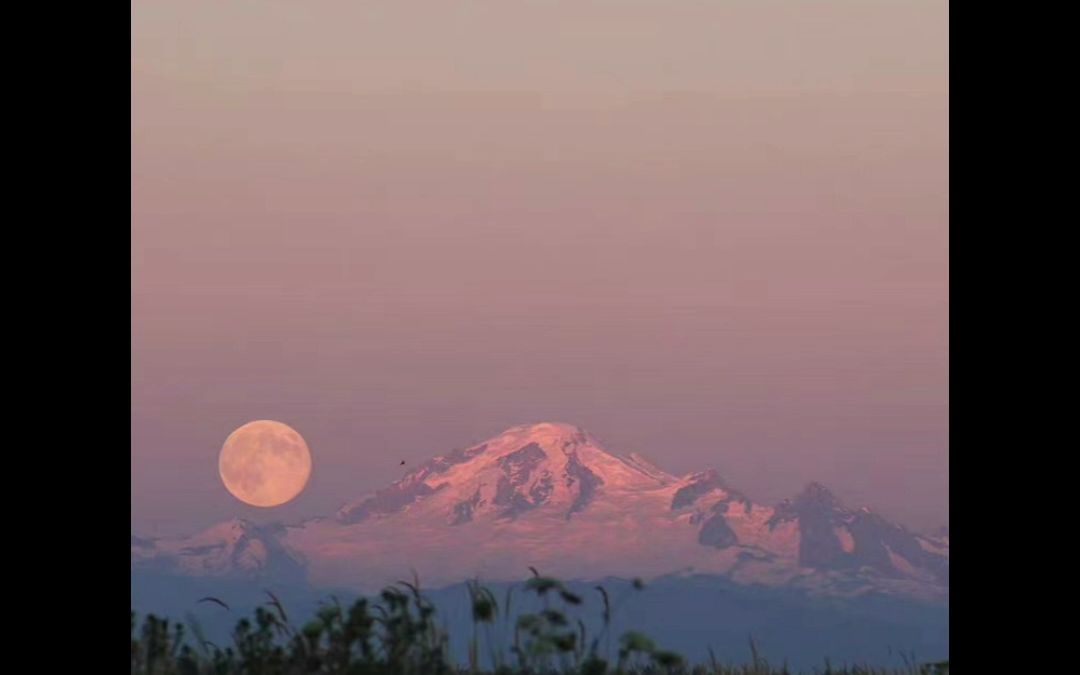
x,y
397,633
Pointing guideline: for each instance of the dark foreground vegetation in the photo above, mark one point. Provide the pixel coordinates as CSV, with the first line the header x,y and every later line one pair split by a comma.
x,y
399,633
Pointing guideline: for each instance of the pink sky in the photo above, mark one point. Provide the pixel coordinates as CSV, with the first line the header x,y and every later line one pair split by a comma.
x,y
714,233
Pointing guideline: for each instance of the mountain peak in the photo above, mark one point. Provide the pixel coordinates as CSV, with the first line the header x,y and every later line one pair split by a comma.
x,y
232,547
696,485
525,469
548,428
236,524
545,434
817,494
547,494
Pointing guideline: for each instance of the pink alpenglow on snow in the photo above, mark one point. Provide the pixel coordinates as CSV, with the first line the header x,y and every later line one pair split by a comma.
x,y
551,496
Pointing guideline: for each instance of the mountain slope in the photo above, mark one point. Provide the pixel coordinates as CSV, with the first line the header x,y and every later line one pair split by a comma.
x,y
544,466
236,549
549,495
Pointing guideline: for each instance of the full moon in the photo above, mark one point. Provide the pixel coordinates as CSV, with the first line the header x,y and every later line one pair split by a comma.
x,y
265,463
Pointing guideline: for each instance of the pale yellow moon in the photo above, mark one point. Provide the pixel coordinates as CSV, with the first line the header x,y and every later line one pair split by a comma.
x,y
265,463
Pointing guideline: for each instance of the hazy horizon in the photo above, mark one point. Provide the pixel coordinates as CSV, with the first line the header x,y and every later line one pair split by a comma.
x,y
713,234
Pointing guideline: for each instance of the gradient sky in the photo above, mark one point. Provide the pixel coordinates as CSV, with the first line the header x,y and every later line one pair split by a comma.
x,y
712,232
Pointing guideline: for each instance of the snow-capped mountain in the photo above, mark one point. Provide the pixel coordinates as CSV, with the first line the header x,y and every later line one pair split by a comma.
x,y
550,496
547,467
234,548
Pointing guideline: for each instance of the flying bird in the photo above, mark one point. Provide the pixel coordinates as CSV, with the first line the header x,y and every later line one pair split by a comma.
x,y
210,599
402,462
